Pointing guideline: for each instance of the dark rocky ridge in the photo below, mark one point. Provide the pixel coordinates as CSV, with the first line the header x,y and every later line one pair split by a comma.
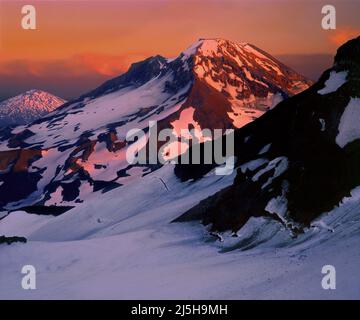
x,y
320,173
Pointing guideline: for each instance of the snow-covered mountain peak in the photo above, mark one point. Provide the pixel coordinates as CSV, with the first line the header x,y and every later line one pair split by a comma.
x,y
27,107
215,84
256,65
251,80
210,46
38,99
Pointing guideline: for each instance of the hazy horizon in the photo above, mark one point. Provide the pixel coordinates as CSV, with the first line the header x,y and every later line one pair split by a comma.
x,y
310,66
80,44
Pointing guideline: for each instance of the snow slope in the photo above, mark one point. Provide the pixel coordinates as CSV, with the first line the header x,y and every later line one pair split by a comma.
x,y
349,129
128,250
335,81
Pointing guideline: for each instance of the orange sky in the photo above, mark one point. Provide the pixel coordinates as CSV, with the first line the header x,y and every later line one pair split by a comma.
x,y
94,40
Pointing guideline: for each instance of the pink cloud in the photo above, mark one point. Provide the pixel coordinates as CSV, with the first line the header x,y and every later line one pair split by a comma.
x,y
341,35
77,65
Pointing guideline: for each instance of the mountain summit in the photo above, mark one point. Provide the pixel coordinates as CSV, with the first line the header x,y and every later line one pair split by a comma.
x,y
251,80
235,82
27,107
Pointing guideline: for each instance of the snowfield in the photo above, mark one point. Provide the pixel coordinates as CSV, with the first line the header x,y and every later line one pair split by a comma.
x,y
128,249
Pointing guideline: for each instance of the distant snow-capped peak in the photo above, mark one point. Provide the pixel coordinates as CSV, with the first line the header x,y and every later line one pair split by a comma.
x,y
28,106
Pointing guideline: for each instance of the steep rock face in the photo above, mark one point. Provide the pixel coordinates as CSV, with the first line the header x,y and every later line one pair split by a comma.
x,y
81,147
28,107
297,161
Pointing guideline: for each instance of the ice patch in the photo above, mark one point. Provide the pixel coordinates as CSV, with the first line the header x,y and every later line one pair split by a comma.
x,y
279,205
335,81
322,225
253,165
55,197
280,165
349,129
265,149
